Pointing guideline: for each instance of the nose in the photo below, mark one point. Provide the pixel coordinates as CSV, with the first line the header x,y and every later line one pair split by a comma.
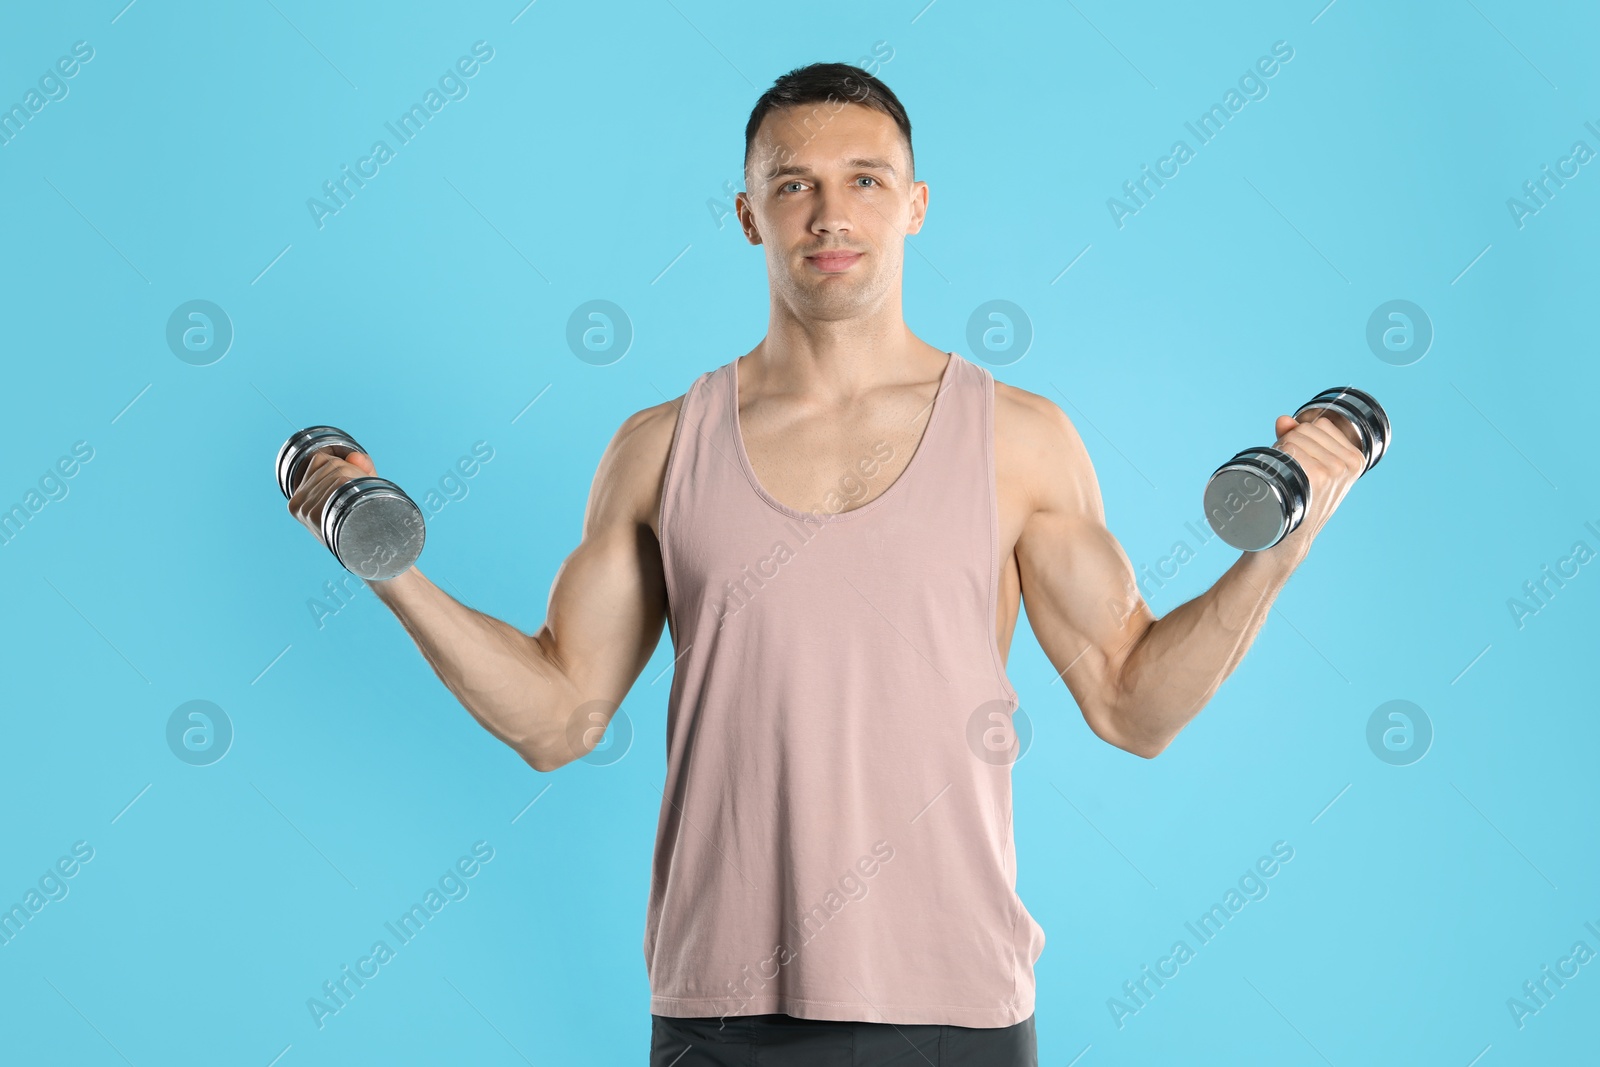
x,y
831,214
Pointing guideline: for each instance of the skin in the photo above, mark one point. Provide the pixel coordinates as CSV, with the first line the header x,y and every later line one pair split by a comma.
x,y
838,370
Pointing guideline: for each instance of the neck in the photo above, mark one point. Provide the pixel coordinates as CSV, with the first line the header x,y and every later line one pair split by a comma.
x,y
837,360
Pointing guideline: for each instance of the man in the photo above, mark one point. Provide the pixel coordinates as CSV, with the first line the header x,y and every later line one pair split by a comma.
x,y
839,527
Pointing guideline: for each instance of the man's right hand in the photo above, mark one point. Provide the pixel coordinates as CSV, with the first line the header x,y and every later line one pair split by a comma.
x,y
323,475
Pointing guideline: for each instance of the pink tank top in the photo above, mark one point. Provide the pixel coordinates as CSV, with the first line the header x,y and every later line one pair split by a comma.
x,y
835,831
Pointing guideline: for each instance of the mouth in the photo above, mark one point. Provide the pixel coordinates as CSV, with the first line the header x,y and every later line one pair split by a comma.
x,y
833,262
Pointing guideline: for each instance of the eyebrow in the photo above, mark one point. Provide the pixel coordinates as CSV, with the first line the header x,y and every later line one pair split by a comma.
x,y
859,163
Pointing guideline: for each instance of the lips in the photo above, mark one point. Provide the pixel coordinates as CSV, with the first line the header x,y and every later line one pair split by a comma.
x,y
834,261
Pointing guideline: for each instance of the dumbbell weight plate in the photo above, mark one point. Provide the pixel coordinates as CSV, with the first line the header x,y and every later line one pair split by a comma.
x,y
1255,499
373,528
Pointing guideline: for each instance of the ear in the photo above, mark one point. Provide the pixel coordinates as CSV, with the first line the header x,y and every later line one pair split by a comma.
x,y
747,218
919,206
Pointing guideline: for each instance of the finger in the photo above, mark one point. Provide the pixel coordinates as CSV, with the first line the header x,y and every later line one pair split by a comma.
x,y
302,491
1332,470
317,461
327,482
1322,421
1323,433
314,490
1331,436
308,477
1308,450
305,499
320,461
1340,429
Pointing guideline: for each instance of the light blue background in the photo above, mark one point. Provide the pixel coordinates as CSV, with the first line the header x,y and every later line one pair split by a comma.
x,y
584,164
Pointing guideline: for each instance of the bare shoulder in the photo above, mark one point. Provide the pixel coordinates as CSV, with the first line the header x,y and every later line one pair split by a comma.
x,y
627,482
1039,455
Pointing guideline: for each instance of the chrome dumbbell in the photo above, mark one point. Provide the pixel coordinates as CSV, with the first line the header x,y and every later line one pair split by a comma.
x,y
1258,497
369,524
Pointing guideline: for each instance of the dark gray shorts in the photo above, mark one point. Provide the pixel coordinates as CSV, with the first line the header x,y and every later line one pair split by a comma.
x,y
784,1041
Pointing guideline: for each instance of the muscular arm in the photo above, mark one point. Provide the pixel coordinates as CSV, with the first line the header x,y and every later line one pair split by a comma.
x,y
1137,679
602,622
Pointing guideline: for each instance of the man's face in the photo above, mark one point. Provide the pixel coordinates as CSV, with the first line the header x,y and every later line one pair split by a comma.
x,y
831,177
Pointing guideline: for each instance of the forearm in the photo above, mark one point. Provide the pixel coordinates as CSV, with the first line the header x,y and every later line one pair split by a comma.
x,y
506,679
1183,657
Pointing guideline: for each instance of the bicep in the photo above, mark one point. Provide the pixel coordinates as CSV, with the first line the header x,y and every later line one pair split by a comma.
x,y
1078,586
608,600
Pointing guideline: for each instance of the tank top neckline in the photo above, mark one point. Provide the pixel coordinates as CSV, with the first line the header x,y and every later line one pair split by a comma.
x,y
839,516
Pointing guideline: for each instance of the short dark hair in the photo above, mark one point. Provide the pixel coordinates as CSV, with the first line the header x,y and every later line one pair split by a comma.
x,y
825,83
